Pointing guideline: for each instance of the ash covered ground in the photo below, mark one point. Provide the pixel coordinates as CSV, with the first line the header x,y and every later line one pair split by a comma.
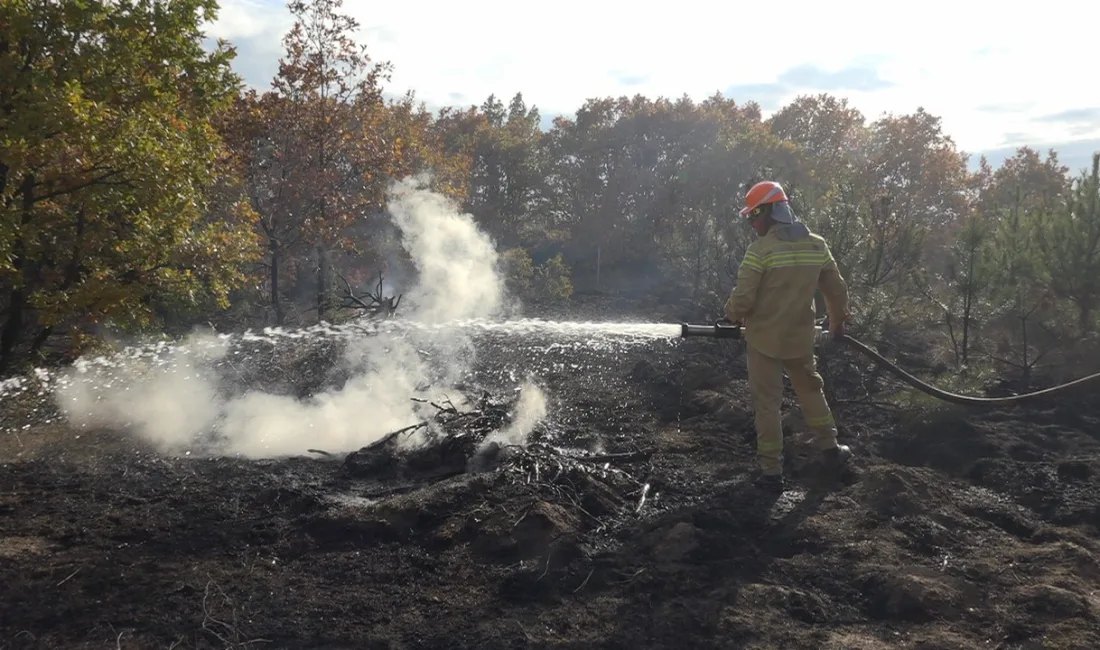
x,y
960,530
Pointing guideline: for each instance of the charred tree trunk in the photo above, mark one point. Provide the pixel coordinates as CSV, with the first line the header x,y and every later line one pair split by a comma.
x,y
322,284
18,295
72,276
1026,355
968,305
13,327
273,275
40,340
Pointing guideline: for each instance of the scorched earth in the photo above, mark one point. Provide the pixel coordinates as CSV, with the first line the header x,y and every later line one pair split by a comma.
x,y
622,518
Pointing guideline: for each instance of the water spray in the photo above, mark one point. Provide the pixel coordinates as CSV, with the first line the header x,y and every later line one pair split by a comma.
x,y
730,331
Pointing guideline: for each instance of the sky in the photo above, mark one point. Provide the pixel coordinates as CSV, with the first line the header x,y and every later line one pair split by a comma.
x,y
999,74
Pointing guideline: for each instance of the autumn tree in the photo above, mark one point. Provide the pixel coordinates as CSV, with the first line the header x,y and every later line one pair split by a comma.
x,y
507,174
1025,181
830,136
580,176
635,181
916,162
910,161
105,151
455,133
712,160
422,145
427,146
321,159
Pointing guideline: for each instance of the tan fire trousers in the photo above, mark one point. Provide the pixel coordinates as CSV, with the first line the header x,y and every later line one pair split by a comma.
x,y
766,387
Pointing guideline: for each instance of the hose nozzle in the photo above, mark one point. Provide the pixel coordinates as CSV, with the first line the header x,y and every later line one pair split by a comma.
x,y
719,330
727,330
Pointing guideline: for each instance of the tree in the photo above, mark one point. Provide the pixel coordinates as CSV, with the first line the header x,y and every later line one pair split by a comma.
x,y
507,174
830,135
1025,182
634,181
1019,284
911,160
1070,241
427,147
969,274
105,150
454,136
321,161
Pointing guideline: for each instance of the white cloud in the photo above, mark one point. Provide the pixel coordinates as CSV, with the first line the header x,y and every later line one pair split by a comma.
x,y
950,57
247,19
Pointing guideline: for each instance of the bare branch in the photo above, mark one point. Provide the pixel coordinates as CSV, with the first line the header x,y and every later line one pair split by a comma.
x,y
374,304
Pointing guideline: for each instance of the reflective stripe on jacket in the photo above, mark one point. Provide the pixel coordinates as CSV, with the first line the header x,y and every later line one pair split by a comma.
x,y
775,291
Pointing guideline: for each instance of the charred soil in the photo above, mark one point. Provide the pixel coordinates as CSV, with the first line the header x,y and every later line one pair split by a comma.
x,y
630,523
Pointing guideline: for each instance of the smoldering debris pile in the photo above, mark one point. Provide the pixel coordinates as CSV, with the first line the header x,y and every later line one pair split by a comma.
x,y
490,435
469,481
451,441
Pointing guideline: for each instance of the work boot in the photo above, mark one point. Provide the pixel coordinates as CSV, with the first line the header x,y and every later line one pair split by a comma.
x,y
770,483
837,457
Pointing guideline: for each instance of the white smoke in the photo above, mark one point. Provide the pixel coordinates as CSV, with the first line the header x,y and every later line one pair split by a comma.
x,y
176,404
456,262
529,411
167,403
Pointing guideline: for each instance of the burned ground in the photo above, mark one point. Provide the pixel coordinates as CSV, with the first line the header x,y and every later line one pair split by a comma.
x,y
960,529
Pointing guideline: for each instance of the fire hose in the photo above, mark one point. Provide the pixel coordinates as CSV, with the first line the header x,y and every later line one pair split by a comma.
x,y
726,330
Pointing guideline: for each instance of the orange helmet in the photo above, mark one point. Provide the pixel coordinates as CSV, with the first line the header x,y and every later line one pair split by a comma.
x,y
761,194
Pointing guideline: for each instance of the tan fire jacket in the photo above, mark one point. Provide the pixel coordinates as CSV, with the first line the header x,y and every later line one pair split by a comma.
x,y
775,291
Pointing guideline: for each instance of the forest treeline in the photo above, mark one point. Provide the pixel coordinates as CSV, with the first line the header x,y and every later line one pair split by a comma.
x,y
145,187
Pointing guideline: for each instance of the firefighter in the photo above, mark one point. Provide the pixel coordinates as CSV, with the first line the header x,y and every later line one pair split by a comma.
x,y
774,302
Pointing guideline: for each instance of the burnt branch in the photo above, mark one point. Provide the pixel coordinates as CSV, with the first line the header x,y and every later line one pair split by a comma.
x,y
373,304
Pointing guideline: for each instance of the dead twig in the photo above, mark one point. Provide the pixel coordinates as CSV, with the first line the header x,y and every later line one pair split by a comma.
x,y
546,567
390,436
69,577
208,618
641,499
232,640
526,511
629,579
449,408
581,586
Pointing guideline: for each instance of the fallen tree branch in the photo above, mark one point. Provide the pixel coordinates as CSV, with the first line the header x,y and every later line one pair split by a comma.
x,y
389,437
372,303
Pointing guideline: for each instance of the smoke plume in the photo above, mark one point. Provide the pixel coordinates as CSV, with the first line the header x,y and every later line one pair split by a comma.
x,y
176,405
529,411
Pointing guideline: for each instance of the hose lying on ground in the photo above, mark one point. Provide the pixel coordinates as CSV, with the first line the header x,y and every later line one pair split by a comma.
x,y
729,331
966,400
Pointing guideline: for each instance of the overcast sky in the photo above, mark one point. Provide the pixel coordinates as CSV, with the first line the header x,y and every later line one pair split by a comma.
x,y
1000,74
